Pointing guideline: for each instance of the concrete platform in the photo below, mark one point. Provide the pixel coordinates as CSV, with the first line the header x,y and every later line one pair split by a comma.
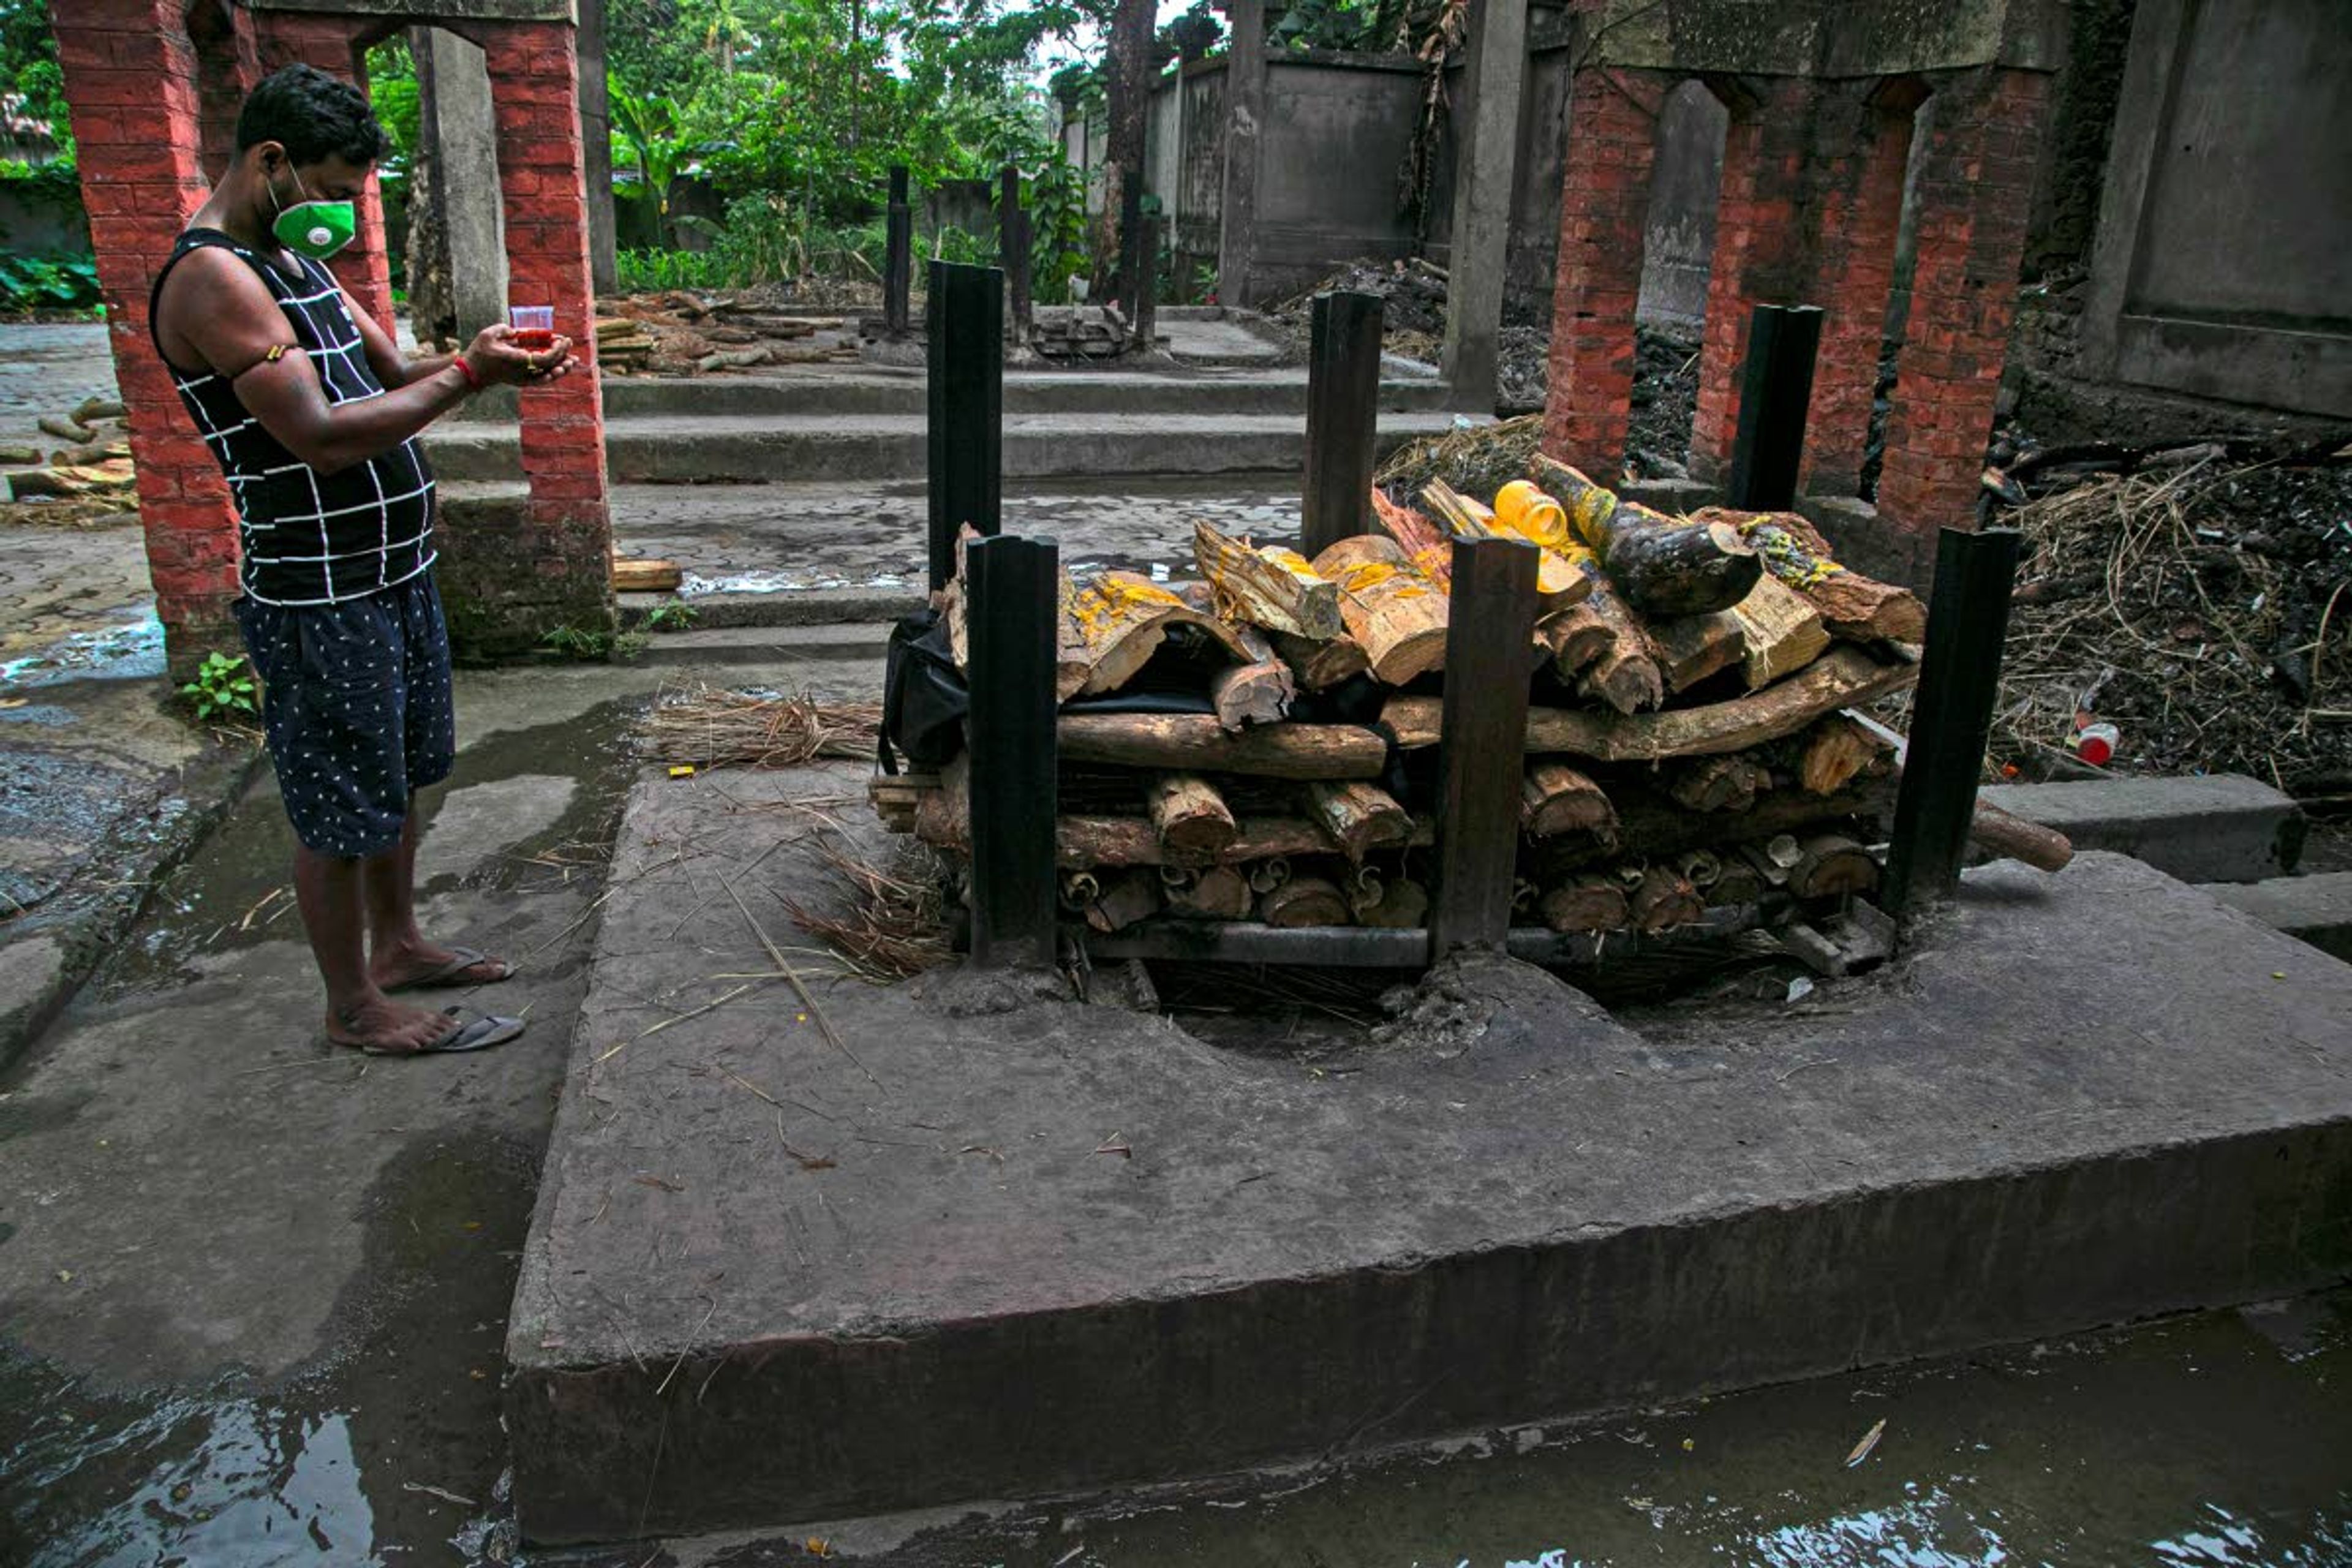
x,y
2213,828
991,1245
2316,909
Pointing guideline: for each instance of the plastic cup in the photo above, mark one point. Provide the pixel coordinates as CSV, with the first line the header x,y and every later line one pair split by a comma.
x,y
534,327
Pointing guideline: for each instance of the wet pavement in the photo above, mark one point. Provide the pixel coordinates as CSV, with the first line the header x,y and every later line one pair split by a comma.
x,y
48,368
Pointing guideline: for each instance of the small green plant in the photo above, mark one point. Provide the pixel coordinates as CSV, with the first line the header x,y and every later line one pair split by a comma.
x,y
574,642
221,686
47,282
671,616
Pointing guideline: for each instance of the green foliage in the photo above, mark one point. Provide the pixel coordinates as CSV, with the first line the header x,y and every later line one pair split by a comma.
x,y
1056,198
653,271
1367,25
575,642
671,616
46,282
28,67
221,686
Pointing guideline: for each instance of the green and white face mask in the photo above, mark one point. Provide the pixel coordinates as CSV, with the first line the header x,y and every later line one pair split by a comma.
x,y
315,229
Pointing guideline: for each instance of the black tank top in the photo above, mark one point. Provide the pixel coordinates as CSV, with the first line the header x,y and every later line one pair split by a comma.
x,y
309,537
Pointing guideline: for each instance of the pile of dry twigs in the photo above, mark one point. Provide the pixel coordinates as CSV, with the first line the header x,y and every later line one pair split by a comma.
x,y
892,921
708,727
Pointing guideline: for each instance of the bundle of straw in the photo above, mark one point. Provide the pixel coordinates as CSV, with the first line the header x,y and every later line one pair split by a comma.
x,y
709,727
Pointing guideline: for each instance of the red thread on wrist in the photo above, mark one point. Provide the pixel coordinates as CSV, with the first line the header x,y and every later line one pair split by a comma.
x,y
473,379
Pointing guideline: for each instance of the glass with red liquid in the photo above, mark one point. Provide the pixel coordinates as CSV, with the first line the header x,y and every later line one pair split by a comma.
x,y
534,327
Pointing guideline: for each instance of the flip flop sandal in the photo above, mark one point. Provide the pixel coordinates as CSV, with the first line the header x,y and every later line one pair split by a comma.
x,y
452,974
478,1033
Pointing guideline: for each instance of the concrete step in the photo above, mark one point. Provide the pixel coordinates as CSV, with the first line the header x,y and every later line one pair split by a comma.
x,y
884,391
755,643
2316,909
2218,827
734,449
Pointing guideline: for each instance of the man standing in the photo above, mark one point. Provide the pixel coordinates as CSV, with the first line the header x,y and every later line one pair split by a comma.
x,y
311,411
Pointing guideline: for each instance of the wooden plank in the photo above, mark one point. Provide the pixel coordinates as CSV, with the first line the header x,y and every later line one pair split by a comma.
x,y
964,405
634,575
1485,716
1343,389
1013,592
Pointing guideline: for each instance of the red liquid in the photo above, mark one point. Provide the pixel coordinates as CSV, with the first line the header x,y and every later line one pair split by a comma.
x,y
534,340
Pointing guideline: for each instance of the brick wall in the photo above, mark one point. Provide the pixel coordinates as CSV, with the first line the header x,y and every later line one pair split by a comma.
x,y
1975,191
130,78
1604,207
1862,144
332,43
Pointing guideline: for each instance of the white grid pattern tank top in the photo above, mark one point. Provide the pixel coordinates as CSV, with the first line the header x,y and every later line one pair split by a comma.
x,y
309,538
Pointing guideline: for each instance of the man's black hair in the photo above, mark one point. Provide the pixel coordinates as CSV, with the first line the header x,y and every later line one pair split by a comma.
x,y
315,116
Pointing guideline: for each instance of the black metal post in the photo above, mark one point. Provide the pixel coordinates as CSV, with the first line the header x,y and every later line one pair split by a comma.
x,y
1951,715
1012,248
898,258
1147,298
966,407
1484,738
1776,384
1011,612
1343,394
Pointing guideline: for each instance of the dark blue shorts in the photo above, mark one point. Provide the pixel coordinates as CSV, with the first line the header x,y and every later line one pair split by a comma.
x,y
356,697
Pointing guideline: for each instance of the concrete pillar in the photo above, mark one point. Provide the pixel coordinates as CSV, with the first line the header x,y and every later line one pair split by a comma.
x,y
1760,251
1862,144
1975,194
466,143
596,145
1245,140
131,86
1485,169
1613,116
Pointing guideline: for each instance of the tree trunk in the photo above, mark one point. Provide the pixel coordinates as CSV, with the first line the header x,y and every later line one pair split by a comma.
x,y
1126,91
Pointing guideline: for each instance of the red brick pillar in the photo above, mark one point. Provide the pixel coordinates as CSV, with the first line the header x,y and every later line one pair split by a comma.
x,y
332,43
1976,185
131,82
1612,117
227,64
1862,141
557,556
1761,254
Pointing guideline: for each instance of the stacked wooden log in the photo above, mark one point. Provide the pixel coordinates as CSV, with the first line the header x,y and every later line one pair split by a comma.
x,y
1272,753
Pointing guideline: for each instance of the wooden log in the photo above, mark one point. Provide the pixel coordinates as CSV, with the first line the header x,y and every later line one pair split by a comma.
x,y
1626,675
1858,608
1575,638
1257,693
1305,901
1403,906
1192,818
1664,901
1270,587
66,429
1395,612
1736,882
1780,630
1723,782
1127,897
1692,648
1563,577
1586,901
2007,836
1359,817
1558,799
1216,893
1196,742
1847,674
1112,626
632,575
1663,567
1423,543
1318,666
1831,863
1834,751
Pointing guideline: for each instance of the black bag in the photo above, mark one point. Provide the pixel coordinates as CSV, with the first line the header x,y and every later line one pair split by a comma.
x,y
923,696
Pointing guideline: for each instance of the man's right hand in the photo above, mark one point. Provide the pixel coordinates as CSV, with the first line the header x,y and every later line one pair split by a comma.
x,y
496,359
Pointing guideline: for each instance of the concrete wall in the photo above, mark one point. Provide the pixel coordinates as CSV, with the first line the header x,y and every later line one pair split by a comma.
x,y
1679,246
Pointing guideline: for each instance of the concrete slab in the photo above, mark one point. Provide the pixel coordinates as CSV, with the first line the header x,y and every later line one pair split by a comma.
x,y
2216,827
2316,909
990,1244
481,822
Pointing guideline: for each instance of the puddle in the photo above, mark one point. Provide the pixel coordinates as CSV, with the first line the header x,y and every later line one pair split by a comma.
x,y
693,586
131,650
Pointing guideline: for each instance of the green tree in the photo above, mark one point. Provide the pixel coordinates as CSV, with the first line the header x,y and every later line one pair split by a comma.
x,y
28,67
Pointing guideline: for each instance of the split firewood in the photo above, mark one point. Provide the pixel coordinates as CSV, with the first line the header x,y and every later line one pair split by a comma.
x,y
1563,576
1403,906
1303,901
1388,607
1664,901
1575,638
1652,824
1270,587
1197,741
1692,648
1663,567
1736,882
1855,607
1780,632
1126,897
1723,782
1215,893
1192,818
1585,902
1257,693
646,575
1320,665
1112,626
1422,542
1359,817
1830,864
895,798
1269,874
1556,799
1626,675
1834,751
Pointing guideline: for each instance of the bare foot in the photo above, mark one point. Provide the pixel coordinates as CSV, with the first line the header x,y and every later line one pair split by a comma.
x,y
410,963
388,1027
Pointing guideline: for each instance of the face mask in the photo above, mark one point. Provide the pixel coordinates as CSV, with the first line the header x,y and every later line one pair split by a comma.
x,y
315,229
